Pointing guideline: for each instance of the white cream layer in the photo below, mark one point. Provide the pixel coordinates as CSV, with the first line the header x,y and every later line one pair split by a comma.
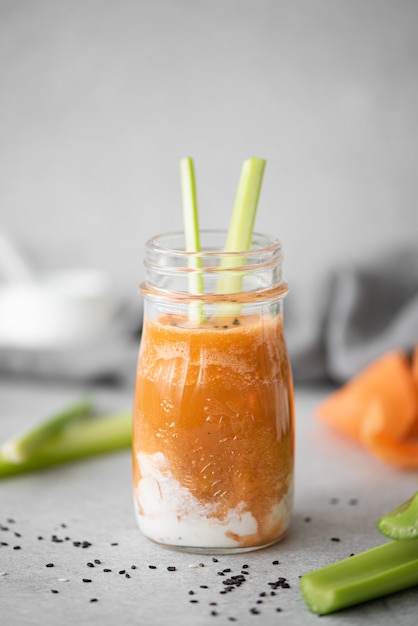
x,y
168,513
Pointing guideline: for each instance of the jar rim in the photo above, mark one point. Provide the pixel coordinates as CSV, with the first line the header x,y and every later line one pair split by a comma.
x,y
266,244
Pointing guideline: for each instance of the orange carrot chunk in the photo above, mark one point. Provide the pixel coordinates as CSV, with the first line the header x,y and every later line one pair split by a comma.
x,y
402,453
414,429
387,381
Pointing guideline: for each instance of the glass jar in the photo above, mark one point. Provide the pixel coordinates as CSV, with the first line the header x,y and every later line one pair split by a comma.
x,y
213,434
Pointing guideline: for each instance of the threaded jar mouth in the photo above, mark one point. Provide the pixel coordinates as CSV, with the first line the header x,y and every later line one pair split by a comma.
x,y
212,272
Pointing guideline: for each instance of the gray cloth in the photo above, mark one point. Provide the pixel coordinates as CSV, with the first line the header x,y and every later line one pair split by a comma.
x,y
368,310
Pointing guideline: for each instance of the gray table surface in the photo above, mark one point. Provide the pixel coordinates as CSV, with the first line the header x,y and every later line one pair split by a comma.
x,y
340,493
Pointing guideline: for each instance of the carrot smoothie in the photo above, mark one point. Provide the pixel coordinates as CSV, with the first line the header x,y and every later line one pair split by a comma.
x,y
213,432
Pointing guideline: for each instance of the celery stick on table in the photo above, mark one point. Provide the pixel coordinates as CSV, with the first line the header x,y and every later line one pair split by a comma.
x,y
377,572
78,438
22,447
401,523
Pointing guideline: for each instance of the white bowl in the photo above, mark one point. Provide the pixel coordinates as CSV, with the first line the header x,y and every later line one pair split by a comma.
x,y
57,309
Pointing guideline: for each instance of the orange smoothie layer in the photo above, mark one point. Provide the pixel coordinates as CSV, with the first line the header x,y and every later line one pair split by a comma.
x,y
213,432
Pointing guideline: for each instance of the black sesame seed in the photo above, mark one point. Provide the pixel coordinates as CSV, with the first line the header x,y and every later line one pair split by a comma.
x,y
201,565
97,561
278,609
214,559
213,604
245,566
77,544
194,601
106,569
54,591
213,613
40,538
127,575
254,611
11,520
114,544
90,564
87,580
335,539
94,600
220,573
285,586
275,562
152,566
133,566
17,548
49,565
122,571
204,587
17,534
191,593
171,568
307,519
4,543
227,570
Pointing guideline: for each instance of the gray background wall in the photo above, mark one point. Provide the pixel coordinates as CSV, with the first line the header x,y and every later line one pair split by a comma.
x,y
101,98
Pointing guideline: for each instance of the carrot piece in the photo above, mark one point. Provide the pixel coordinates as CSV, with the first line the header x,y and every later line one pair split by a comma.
x,y
414,429
402,453
387,381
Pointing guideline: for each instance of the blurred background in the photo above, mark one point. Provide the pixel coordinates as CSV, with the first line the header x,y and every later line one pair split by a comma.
x,y
100,99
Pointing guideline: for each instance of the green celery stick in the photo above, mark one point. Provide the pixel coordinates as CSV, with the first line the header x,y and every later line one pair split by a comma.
x,y
191,221
368,575
242,222
77,439
24,446
402,522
